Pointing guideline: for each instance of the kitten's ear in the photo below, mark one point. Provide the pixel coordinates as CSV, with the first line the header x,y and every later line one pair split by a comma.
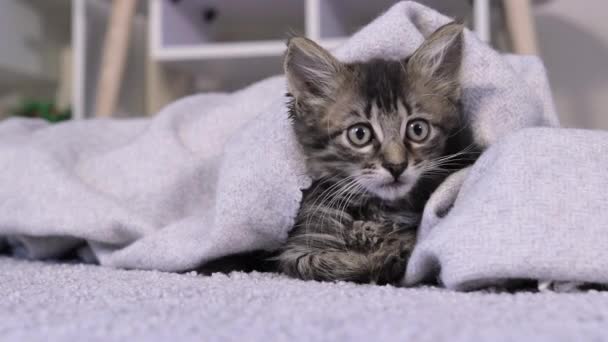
x,y
311,70
435,66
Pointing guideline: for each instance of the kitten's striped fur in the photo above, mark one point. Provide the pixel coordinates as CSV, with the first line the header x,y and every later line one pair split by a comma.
x,y
358,221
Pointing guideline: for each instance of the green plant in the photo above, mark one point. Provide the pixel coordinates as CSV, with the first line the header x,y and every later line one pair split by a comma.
x,y
41,109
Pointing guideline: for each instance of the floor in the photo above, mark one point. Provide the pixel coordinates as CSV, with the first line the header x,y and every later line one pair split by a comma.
x,y
46,301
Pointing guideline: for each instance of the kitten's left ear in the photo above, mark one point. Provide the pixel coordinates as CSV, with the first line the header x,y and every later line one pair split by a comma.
x,y
435,66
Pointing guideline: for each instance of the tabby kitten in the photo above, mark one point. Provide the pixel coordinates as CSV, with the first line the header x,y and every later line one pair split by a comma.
x,y
378,136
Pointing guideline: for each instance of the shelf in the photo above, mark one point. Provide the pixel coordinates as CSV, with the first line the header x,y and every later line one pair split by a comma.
x,y
184,30
221,50
228,74
230,66
190,22
231,50
228,44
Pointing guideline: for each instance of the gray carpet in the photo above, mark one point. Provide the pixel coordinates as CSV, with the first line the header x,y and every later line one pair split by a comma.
x,y
60,302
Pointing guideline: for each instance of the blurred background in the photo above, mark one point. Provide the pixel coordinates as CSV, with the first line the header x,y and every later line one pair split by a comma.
x,y
62,59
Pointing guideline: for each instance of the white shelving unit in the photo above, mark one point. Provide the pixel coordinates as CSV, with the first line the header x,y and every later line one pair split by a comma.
x,y
89,23
182,46
52,49
231,43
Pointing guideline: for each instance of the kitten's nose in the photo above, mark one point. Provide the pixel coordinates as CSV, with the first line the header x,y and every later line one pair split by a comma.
x,y
395,169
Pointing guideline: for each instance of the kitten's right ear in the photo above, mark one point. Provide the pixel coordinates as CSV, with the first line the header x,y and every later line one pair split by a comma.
x,y
310,69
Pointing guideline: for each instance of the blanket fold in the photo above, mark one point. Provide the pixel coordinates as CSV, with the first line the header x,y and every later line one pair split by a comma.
x,y
534,206
218,174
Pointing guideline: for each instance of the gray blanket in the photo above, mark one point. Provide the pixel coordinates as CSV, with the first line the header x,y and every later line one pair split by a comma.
x,y
49,302
218,174
534,206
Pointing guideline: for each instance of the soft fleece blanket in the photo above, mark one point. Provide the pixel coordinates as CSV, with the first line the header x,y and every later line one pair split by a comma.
x,y
217,174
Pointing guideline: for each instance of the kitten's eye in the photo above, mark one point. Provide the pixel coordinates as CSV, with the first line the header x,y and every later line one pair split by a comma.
x,y
359,135
418,130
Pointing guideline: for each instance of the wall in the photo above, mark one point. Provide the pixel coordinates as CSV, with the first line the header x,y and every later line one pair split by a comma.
x,y
573,39
20,37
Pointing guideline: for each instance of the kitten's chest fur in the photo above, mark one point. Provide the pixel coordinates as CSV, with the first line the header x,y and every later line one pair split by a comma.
x,y
401,213
320,203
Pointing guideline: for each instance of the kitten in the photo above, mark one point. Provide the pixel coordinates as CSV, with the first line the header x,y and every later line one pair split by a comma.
x,y
378,136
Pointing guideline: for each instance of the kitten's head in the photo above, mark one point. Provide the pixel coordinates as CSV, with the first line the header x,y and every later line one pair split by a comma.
x,y
381,123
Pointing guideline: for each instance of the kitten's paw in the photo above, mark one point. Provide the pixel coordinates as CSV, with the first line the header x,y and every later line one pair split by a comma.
x,y
392,256
391,261
366,235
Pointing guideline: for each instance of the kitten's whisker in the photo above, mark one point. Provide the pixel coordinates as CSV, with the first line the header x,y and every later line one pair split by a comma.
x,y
455,160
310,214
323,195
347,202
447,166
331,195
470,149
463,126
336,195
327,193
348,199
344,191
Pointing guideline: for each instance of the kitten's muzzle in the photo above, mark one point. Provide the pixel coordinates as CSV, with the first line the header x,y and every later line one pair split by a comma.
x,y
395,169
